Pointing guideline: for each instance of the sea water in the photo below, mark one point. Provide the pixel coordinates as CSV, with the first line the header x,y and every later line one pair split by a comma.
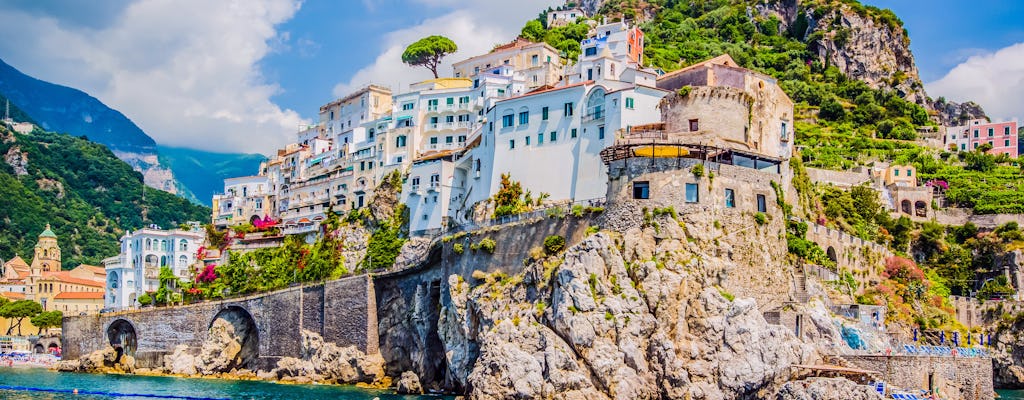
x,y
35,384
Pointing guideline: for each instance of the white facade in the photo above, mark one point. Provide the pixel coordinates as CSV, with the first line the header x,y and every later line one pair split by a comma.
x,y
244,198
136,269
564,17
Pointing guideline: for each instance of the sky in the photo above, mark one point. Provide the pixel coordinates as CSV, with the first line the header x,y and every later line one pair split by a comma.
x,y
243,76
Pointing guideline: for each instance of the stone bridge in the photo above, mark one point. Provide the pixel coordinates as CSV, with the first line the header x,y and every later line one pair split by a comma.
x,y
342,311
45,344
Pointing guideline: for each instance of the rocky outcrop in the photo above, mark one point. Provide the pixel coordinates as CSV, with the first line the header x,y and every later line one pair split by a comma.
x,y
826,389
222,349
18,160
1008,357
951,113
180,361
595,324
99,361
409,383
329,363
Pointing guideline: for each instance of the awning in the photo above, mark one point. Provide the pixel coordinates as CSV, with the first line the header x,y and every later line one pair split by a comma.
x,y
403,117
660,151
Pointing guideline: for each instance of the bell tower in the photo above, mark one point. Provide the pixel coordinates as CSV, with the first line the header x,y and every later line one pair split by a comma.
x,y
47,253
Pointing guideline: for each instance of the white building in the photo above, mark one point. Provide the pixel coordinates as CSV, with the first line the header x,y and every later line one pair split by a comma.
x,y
564,17
537,64
245,199
136,269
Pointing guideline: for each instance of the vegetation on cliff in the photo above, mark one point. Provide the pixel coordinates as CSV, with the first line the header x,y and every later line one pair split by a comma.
x,y
87,194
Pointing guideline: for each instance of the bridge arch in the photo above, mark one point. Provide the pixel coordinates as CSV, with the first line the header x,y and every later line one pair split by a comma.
x,y
121,332
245,329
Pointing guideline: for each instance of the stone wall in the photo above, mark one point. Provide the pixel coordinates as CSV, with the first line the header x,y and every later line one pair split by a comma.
x,y
843,179
955,378
731,233
865,259
343,311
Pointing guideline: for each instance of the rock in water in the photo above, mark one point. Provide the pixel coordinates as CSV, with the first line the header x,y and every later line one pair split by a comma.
x,y
220,350
826,389
180,361
328,362
409,383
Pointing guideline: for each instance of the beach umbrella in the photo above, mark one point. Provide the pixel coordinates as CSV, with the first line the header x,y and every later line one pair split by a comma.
x,y
915,335
956,338
989,339
968,338
942,337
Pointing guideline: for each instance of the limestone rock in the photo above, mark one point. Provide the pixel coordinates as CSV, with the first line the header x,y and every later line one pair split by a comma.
x,y
180,361
328,362
221,349
68,365
826,389
18,160
409,383
605,327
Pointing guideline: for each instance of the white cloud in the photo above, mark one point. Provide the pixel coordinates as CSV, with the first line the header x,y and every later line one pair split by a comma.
x,y
474,26
185,71
993,79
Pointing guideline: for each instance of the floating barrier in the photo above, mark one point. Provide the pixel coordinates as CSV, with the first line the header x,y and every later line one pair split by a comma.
x,y
102,393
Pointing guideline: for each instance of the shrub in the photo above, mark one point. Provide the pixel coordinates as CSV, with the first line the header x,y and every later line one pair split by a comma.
x,y
488,245
684,91
553,244
697,170
592,230
458,248
761,218
145,299
727,295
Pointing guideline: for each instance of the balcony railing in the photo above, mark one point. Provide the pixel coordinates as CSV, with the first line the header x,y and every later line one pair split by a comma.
x,y
445,146
439,126
594,115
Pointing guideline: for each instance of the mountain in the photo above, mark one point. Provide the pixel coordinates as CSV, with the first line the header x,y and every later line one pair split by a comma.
x,y
191,174
80,187
203,173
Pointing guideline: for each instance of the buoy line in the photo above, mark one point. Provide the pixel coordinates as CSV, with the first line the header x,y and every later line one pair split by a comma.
x,y
102,393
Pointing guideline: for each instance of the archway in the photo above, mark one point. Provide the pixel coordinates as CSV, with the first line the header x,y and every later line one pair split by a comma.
x,y
122,333
254,220
905,206
921,209
245,331
831,252
38,349
53,348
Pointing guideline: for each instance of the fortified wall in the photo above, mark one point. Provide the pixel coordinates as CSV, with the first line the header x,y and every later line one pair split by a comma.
x,y
951,377
342,311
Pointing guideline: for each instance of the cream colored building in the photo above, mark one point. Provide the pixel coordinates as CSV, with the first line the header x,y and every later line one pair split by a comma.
x,y
538,63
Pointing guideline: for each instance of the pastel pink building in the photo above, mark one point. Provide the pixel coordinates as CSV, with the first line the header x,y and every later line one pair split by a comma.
x,y
1001,135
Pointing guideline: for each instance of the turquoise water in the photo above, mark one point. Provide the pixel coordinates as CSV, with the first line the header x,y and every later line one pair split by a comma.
x,y
1011,394
153,387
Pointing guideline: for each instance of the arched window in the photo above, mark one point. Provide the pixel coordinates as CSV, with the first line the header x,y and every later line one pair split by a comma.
x,y
163,260
163,245
595,104
183,261
149,244
183,245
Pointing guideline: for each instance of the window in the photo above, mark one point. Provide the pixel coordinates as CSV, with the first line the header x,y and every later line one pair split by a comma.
x,y
544,114
554,136
641,190
629,103
692,194
975,145
524,118
991,132
572,133
527,140
1006,130
501,92
534,59
449,139
462,138
433,140
1006,143
568,109
590,51
183,244
435,181
600,132
783,133
507,121
730,198
762,206
449,118
400,141
449,101
432,104
512,144
540,138
895,172
975,133
476,83
963,146
910,172
415,182
694,125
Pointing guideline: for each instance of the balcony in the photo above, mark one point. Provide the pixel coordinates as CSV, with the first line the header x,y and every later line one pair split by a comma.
x,y
445,146
435,186
594,115
442,126
294,230
152,273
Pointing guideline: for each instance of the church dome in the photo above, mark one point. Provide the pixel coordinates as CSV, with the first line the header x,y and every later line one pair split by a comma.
x,y
48,233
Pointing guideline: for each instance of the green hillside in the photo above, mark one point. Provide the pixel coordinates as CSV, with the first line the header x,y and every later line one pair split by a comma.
x,y
87,194
203,173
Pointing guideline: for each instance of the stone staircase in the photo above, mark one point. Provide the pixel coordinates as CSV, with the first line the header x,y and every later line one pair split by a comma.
x,y
838,360
800,295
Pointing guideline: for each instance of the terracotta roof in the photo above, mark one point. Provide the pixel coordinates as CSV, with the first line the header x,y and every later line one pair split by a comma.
x,y
14,296
17,263
95,269
723,59
79,296
65,277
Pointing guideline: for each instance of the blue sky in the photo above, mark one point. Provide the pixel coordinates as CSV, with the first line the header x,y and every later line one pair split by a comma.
x,y
242,76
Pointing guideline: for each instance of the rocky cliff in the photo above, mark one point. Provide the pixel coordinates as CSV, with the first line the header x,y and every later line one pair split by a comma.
x,y
593,323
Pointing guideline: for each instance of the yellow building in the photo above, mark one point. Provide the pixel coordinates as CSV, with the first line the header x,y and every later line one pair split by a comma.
x,y
76,290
